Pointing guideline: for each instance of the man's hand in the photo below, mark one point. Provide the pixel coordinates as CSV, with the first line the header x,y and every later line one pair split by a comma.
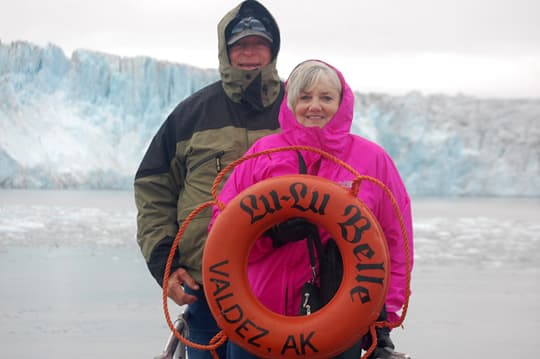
x,y
175,287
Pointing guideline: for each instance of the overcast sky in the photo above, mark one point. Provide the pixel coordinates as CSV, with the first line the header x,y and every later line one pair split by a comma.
x,y
487,48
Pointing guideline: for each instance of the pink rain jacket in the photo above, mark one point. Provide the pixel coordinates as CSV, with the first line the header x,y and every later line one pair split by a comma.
x,y
277,275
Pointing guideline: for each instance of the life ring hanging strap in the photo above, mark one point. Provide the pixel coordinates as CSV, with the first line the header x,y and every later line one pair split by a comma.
x,y
302,169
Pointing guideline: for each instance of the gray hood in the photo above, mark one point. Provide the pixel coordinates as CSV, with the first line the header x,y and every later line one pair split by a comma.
x,y
259,87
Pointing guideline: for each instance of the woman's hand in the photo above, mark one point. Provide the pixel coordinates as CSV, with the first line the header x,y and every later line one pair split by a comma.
x,y
292,230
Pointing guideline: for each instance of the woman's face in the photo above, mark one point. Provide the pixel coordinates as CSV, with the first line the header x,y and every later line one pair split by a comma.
x,y
317,105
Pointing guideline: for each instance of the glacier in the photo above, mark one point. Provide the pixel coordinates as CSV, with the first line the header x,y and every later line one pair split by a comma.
x,y
85,121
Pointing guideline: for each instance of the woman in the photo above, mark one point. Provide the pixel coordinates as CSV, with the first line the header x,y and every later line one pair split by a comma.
x,y
317,111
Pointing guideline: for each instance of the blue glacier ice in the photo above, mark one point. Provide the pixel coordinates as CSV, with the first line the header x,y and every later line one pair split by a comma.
x,y
85,121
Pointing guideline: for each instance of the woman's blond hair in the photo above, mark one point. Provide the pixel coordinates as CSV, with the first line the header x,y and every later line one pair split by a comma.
x,y
305,75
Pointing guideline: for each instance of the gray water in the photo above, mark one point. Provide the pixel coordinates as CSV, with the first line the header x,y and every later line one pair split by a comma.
x,y
485,231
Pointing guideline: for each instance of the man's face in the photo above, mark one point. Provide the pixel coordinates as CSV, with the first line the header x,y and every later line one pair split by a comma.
x,y
250,53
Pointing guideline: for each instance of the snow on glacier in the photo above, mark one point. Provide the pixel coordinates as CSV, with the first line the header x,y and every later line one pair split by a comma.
x,y
85,122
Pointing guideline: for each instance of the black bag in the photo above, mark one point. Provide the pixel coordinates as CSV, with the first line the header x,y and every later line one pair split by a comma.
x,y
330,271
330,274
311,299
330,268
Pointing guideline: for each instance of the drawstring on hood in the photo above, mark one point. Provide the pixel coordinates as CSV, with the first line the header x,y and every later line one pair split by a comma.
x,y
260,87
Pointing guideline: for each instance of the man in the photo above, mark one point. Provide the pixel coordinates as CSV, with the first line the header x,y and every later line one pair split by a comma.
x,y
203,134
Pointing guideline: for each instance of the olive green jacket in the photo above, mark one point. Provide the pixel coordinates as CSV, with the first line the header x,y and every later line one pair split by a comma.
x,y
203,134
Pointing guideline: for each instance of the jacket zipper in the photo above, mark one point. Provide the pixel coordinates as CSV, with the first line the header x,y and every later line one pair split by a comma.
x,y
216,155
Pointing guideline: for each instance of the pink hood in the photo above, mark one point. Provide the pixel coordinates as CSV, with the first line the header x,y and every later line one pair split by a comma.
x,y
277,275
333,138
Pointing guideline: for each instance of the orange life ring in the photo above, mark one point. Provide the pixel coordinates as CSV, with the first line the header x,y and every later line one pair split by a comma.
x,y
359,299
